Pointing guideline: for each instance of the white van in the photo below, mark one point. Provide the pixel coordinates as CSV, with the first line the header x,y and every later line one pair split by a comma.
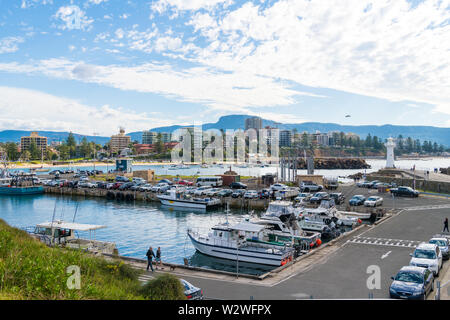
x,y
209,181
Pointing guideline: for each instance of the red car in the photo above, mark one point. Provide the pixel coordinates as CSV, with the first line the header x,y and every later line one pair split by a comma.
x,y
185,183
116,185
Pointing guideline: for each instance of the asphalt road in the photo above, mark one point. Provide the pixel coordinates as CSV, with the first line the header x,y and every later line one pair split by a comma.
x,y
344,274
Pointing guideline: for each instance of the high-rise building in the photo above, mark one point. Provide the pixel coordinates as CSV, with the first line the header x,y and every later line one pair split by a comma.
x,y
41,142
253,123
120,141
286,138
149,137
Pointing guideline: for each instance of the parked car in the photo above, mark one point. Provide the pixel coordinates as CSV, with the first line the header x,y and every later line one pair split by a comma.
x,y
373,201
443,244
412,283
185,183
191,292
139,180
337,197
201,191
190,190
238,193
405,191
225,193
357,200
238,185
251,194
116,185
166,181
212,192
122,179
318,197
427,255
278,187
307,186
303,197
101,185
160,187
373,184
145,188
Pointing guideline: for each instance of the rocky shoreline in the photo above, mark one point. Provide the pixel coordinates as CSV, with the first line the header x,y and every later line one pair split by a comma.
x,y
335,163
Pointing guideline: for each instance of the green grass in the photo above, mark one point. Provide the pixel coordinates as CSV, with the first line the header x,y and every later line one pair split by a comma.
x,y
31,270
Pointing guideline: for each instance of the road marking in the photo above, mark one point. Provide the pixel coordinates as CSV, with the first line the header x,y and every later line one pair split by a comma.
x,y
430,207
385,242
385,255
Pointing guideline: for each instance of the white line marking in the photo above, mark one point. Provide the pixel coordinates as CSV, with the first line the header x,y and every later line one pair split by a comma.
x,y
385,255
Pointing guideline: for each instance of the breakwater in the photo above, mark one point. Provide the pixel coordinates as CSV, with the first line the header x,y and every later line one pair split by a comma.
x,y
335,163
126,195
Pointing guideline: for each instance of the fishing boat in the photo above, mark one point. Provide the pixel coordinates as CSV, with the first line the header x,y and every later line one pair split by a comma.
x,y
177,198
231,242
65,234
20,184
282,224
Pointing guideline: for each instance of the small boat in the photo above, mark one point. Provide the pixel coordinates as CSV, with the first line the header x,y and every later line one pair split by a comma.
x,y
20,184
230,242
62,233
176,198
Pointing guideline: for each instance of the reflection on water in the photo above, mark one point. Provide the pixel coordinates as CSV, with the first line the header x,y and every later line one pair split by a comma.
x,y
201,260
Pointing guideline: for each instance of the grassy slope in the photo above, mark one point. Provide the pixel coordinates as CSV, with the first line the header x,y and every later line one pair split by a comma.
x,y
31,270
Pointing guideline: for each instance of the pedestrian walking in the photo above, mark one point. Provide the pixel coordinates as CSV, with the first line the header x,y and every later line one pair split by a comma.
x,y
150,254
446,225
158,258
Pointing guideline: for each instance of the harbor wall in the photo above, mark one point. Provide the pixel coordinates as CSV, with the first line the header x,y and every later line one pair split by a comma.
x,y
421,184
249,204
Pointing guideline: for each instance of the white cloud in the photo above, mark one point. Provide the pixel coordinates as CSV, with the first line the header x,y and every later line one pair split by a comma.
x,y
10,44
384,49
162,5
47,112
97,1
219,91
73,18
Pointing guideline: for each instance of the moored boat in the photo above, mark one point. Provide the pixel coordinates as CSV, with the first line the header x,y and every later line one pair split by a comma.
x,y
176,198
244,241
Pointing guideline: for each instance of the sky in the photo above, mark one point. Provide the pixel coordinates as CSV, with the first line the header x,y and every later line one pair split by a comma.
x,y
92,66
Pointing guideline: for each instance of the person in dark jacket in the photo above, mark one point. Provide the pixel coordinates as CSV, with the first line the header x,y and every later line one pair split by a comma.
x,y
446,225
150,254
158,258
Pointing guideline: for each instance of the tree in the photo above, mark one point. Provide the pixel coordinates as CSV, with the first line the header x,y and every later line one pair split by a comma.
x,y
12,151
368,142
159,146
35,152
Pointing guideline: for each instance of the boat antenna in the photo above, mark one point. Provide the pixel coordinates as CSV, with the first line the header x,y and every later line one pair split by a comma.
x,y
227,211
75,214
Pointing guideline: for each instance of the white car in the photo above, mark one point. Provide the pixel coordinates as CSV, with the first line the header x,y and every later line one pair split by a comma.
x,y
373,201
278,187
190,190
427,255
160,187
303,197
201,191
251,194
212,192
145,187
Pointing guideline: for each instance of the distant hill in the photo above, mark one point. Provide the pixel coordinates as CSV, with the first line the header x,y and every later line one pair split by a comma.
x,y
435,134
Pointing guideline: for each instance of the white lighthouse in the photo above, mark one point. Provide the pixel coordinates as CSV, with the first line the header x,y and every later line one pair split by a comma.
x,y
390,145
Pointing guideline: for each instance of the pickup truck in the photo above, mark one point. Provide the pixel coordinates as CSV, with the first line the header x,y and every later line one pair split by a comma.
x,y
404,191
310,187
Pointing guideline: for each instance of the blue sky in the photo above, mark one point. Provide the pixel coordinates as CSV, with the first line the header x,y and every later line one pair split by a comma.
x,y
91,66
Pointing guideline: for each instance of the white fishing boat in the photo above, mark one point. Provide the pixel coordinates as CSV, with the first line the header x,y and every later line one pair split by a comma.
x,y
358,215
244,241
177,167
62,233
280,218
177,198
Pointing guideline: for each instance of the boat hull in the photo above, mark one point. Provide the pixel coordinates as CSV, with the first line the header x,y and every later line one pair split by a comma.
x,y
187,203
21,190
243,254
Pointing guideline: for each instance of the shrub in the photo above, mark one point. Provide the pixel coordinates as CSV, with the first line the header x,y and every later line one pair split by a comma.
x,y
164,287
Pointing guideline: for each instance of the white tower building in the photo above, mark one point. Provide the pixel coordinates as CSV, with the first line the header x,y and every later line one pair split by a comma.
x,y
390,145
